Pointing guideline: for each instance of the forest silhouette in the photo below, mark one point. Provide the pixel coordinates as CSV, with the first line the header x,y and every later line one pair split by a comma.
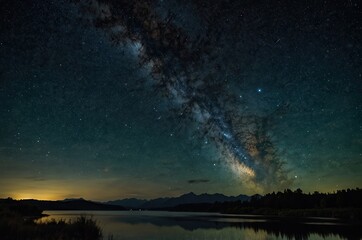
x,y
346,204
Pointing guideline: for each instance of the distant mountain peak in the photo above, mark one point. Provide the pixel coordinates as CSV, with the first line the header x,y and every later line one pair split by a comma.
x,y
187,198
189,194
73,199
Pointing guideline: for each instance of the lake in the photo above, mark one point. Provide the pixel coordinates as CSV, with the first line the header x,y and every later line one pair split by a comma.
x,y
131,225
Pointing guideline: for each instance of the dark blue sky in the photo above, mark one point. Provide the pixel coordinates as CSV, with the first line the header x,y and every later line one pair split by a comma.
x,y
80,116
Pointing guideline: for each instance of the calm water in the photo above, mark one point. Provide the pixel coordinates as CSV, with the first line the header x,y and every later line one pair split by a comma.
x,y
194,226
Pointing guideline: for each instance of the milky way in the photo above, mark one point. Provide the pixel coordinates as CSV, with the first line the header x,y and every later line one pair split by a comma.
x,y
115,99
187,70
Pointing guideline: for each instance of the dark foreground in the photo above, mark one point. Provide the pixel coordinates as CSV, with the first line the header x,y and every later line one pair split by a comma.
x,y
20,224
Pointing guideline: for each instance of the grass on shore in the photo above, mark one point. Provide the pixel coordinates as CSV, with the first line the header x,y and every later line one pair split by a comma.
x,y
16,227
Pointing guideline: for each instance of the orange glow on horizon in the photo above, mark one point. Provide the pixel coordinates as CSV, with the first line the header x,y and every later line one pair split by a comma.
x,y
38,196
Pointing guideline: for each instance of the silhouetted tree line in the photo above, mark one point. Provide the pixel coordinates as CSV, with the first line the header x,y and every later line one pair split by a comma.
x,y
341,204
350,198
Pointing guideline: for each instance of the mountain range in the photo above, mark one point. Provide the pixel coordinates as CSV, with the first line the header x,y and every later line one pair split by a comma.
x,y
67,204
169,202
165,203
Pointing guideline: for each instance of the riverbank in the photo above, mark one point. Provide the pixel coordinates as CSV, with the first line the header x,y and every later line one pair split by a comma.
x,y
347,214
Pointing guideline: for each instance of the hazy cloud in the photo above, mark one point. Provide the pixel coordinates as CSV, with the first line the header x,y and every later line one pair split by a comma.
x,y
192,181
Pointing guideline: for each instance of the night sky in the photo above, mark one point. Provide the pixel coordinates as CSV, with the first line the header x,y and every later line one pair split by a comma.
x,y
273,101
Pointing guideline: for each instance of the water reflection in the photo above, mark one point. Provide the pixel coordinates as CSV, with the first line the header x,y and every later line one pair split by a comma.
x,y
166,225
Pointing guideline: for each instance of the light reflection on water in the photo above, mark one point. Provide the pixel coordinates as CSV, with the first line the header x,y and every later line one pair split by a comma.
x,y
196,226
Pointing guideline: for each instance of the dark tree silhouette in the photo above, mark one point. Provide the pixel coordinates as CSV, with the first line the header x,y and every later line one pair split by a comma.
x,y
345,204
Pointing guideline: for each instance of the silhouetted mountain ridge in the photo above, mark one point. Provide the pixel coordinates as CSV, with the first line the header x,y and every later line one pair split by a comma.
x,y
167,202
73,199
67,204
